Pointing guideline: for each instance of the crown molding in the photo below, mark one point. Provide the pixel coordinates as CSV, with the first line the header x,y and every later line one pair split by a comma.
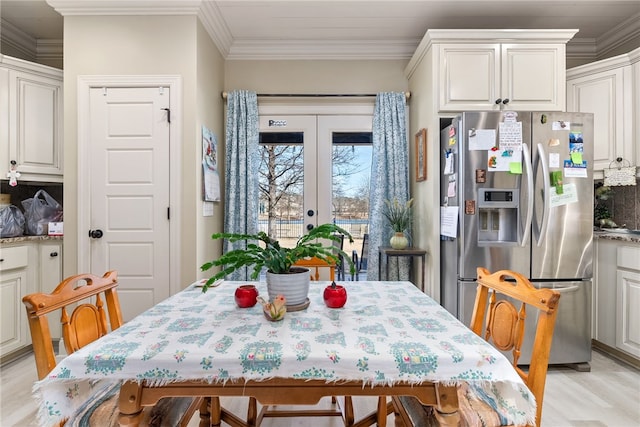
x,y
627,31
216,27
18,40
126,7
602,65
29,47
582,49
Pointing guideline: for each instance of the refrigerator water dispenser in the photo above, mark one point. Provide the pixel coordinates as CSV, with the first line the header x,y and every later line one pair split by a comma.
x,y
498,213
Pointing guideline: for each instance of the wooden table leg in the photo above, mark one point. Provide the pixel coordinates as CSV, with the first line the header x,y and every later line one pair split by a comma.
x,y
129,404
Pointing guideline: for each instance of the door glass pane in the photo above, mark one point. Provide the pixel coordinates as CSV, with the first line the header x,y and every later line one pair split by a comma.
x,y
351,177
281,180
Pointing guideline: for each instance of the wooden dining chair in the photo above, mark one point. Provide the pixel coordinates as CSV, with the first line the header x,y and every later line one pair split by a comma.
x,y
85,295
499,322
316,265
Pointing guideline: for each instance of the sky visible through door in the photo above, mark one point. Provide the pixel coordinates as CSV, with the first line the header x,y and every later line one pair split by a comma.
x,y
282,177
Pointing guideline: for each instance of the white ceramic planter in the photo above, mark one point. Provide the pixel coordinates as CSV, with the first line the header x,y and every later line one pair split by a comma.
x,y
294,286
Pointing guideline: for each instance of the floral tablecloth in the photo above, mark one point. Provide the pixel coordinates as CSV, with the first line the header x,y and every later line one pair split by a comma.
x,y
387,332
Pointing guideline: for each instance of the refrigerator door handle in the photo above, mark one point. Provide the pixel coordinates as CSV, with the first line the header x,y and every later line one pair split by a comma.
x,y
545,194
529,217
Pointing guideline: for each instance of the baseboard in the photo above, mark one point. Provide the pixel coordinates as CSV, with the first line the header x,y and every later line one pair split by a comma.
x,y
616,354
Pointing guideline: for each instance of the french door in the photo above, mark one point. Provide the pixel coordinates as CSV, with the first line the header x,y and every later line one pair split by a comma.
x,y
314,170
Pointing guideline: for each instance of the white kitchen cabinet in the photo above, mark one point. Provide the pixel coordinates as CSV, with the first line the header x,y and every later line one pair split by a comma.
x,y
617,284
31,120
607,89
50,266
604,318
495,69
16,280
26,267
498,76
628,300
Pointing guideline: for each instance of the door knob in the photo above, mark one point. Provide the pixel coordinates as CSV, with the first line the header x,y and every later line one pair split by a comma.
x,y
95,234
309,227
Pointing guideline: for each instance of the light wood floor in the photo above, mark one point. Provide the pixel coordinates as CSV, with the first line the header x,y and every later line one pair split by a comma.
x,y
609,395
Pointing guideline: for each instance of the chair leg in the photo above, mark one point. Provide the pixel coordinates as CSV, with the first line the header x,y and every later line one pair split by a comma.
x,y
252,411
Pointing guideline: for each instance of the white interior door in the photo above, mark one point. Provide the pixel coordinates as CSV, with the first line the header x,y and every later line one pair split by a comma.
x,y
129,192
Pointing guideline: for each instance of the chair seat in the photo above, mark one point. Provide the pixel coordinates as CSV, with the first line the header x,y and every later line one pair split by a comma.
x,y
473,412
102,410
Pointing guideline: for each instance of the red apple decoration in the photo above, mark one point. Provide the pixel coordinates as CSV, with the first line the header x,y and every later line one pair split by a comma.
x,y
246,296
335,296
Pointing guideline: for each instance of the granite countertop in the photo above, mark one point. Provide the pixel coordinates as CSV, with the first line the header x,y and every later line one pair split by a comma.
x,y
632,238
21,239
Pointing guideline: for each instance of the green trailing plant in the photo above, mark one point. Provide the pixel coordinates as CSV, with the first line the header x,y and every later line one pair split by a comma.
x,y
398,214
264,252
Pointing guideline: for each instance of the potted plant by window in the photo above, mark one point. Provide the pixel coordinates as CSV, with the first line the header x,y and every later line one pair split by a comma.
x,y
400,218
263,252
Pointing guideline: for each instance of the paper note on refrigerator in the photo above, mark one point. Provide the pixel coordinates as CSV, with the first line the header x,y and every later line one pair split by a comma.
x,y
569,195
482,139
510,137
449,221
501,160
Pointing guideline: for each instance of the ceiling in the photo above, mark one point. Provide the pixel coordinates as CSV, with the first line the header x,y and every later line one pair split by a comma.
x,y
330,29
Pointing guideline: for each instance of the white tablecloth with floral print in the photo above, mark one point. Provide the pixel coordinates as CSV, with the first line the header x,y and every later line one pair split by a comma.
x,y
387,332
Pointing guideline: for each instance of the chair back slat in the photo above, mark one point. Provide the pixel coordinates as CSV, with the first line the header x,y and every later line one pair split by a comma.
x,y
87,322
504,325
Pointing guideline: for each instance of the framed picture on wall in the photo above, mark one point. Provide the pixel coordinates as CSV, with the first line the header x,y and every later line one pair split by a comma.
x,y
421,155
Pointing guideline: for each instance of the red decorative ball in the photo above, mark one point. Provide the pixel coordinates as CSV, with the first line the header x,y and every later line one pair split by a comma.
x,y
335,296
246,296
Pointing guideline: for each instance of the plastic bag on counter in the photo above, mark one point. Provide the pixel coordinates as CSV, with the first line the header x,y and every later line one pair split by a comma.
x,y
11,222
39,211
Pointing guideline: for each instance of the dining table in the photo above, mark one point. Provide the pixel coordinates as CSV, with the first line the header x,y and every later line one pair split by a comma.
x,y
388,339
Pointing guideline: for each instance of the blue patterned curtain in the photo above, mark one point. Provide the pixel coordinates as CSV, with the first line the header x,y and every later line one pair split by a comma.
x,y
389,177
242,162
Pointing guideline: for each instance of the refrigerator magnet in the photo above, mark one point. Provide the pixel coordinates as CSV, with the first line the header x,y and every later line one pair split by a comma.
x,y
554,142
554,160
470,207
481,176
560,125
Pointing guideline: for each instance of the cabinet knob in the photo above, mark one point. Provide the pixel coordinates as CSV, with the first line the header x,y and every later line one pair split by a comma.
x,y
53,254
505,101
1,259
498,101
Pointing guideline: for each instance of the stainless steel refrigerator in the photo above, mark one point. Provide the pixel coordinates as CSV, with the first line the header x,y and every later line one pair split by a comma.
x,y
517,193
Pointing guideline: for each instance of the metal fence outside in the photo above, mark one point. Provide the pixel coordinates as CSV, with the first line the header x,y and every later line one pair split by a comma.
x,y
295,228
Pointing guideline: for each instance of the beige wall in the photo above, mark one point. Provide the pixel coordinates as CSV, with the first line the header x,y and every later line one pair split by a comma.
x,y
210,113
426,194
156,45
316,76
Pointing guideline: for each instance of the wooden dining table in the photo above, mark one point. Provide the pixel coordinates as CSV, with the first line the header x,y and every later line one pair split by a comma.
x,y
388,339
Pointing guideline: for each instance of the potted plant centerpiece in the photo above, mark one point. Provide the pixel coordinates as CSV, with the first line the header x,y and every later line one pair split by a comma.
x,y
263,252
400,218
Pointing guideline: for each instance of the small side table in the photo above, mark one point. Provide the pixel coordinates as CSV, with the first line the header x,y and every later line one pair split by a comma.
x,y
387,252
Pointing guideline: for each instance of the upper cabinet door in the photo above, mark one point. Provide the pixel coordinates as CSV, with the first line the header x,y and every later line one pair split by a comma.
x,y
469,77
35,125
529,77
533,77
607,89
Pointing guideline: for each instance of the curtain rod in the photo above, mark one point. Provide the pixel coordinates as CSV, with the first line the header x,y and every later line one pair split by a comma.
x,y
407,95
